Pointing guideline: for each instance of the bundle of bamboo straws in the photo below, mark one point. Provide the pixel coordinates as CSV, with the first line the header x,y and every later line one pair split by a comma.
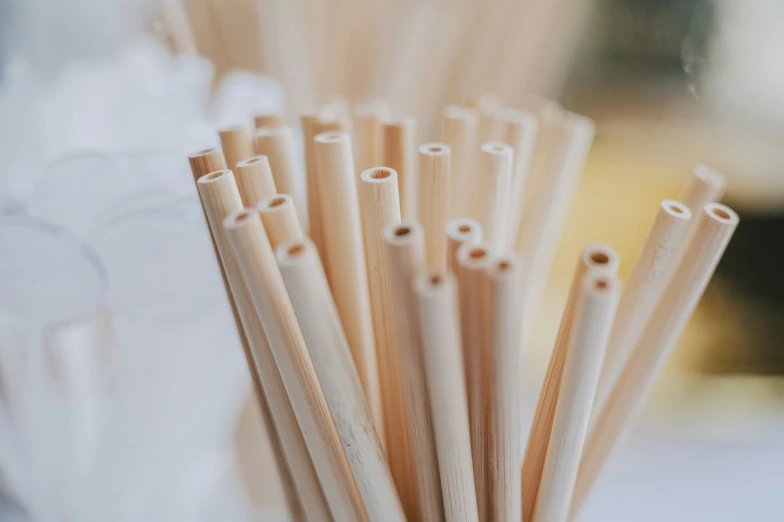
x,y
385,347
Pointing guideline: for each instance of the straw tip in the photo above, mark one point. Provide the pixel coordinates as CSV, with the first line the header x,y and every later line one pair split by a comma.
x,y
332,137
275,203
600,283
676,209
434,149
290,251
205,152
601,257
378,175
497,147
243,218
215,177
474,256
430,282
463,228
721,213
253,160
403,232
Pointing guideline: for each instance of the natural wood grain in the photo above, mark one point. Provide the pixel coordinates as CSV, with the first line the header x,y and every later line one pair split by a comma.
x,y
280,219
277,143
255,180
433,196
400,155
237,144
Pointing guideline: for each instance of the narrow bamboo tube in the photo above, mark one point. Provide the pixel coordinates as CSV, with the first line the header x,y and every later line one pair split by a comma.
x,y
404,246
593,257
502,281
310,295
206,161
593,319
433,193
439,317
471,261
254,179
237,144
489,107
459,232
280,219
715,225
706,185
490,194
267,119
220,198
277,143
652,270
459,130
345,253
400,155
368,137
310,124
262,278
519,130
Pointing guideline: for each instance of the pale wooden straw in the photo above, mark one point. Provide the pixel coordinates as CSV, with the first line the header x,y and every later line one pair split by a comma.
x,y
706,185
280,219
310,124
502,281
459,129
277,143
592,257
400,155
237,144
206,161
519,131
220,198
404,246
715,225
655,265
490,195
346,268
439,317
490,126
471,261
459,232
267,119
368,137
255,180
433,195
310,295
262,278
593,319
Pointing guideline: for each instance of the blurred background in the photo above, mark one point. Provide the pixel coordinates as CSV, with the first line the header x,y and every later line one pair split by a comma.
x,y
123,394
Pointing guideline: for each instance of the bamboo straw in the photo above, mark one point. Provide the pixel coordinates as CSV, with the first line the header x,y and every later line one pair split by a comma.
x,y
236,143
206,161
652,271
706,185
345,253
254,179
368,137
490,126
439,316
459,130
262,278
593,321
277,143
502,281
715,226
519,130
221,198
593,257
280,219
472,260
310,124
459,232
400,155
434,189
307,286
267,119
404,247
490,194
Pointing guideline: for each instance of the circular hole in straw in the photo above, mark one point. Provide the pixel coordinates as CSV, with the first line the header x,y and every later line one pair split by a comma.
x,y
212,175
380,174
435,149
276,202
477,253
296,250
721,213
330,136
242,216
252,161
600,258
601,284
464,229
402,231
436,279
504,266
498,148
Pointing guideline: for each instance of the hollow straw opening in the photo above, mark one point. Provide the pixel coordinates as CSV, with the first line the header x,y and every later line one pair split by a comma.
x,y
250,161
600,258
478,253
436,280
296,250
601,284
464,229
331,137
204,152
239,218
436,149
676,209
276,202
212,176
495,147
721,213
402,231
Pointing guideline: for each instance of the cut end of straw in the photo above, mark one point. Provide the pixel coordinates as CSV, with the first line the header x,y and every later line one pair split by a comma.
x,y
274,203
232,129
331,137
403,232
475,256
204,152
253,160
463,229
676,209
213,177
434,149
291,251
431,282
496,147
378,175
722,213
241,218
599,283
601,257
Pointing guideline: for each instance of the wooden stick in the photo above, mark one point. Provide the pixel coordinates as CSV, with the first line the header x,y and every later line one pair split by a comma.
x,y
262,278
490,194
706,185
593,319
307,286
280,219
459,232
277,143
459,131
254,179
368,137
436,293
434,189
404,246
400,155
502,281
519,130
592,257
472,260
715,226
267,119
345,253
650,275
237,144
310,124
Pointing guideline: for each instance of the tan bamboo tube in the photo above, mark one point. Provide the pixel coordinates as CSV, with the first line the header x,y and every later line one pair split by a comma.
x,y
206,161
280,219
267,119
519,130
345,253
593,257
433,193
706,185
254,179
315,230
400,155
368,137
310,295
262,278
277,143
220,198
459,232
237,144
404,246
715,225
593,319
491,192
459,130
439,317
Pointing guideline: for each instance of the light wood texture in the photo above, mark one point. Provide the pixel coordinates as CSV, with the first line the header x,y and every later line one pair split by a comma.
x,y
315,230
593,319
277,143
265,120
460,231
318,318
503,284
459,130
706,185
237,144
519,131
714,228
345,253
255,180
220,198
433,195
206,161
400,155
404,245
368,136
280,219
262,278
593,257
472,260
439,319
489,197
